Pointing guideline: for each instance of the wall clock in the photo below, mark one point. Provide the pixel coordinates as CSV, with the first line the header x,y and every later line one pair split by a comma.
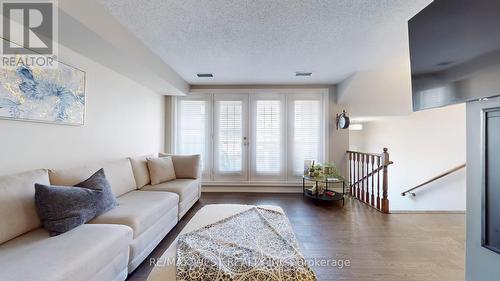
x,y
342,120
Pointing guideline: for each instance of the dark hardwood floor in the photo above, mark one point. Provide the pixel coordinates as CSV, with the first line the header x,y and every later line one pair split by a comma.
x,y
395,247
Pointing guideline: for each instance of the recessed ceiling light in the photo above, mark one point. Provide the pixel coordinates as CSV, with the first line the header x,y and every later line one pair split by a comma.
x,y
300,73
205,75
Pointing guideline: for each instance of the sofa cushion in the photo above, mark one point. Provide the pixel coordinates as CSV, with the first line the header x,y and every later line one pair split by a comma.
x,y
139,210
161,170
62,208
119,174
185,166
182,187
143,245
17,203
77,255
140,169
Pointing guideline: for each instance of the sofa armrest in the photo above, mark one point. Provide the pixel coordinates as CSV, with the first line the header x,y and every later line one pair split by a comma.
x,y
186,166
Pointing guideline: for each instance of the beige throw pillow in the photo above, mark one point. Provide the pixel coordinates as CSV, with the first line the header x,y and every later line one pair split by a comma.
x,y
140,169
185,166
161,170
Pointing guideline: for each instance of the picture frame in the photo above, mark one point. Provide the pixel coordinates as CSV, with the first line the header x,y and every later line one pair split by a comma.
x,y
53,95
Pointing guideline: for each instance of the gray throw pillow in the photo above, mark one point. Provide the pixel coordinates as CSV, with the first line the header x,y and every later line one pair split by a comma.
x,y
62,208
98,181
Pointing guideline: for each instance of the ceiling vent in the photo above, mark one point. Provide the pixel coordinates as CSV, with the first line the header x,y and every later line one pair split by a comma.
x,y
205,75
303,74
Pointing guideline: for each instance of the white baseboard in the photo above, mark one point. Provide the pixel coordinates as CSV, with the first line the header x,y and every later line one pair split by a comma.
x,y
427,212
248,188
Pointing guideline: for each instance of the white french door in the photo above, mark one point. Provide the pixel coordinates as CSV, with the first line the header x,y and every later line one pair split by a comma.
x,y
267,138
230,137
257,137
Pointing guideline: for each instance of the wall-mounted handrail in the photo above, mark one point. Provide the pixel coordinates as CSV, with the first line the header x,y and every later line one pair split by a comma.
x,y
410,191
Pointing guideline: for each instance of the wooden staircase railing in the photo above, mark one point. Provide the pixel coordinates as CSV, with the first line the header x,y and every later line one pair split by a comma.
x,y
364,178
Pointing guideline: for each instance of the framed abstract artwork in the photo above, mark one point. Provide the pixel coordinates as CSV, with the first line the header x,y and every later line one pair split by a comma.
x,y
43,94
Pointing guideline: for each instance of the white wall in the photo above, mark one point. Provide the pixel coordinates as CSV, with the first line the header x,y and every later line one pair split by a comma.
x,y
357,141
338,140
123,118
384,90
103,38
422,145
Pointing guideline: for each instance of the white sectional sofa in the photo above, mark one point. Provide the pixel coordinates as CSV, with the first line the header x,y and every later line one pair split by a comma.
x,y
108,247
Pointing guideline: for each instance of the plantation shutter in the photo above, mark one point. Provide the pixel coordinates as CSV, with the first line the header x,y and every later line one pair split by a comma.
x,y
192,122
268,131
307,133
230,130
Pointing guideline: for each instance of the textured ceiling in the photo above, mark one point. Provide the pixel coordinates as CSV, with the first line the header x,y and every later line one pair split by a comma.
x,y
267,41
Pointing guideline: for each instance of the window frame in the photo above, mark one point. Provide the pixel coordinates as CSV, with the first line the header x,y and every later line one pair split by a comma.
x,y
207,159
288,95
221,175
291,98
254,176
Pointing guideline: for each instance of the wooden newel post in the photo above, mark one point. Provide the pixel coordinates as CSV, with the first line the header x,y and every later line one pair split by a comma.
x,y
385,182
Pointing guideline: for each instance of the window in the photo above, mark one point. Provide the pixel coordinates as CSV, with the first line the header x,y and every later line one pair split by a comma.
x,y
268,137
192,128
307,133
230,135
252,137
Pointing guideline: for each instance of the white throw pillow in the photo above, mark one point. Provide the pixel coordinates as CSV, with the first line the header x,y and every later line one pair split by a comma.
x,y
161,170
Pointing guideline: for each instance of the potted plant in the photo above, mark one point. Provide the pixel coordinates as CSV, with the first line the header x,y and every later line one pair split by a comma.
x,y
330,170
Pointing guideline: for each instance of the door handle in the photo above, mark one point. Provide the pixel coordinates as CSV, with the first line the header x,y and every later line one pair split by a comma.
x,y
245,141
